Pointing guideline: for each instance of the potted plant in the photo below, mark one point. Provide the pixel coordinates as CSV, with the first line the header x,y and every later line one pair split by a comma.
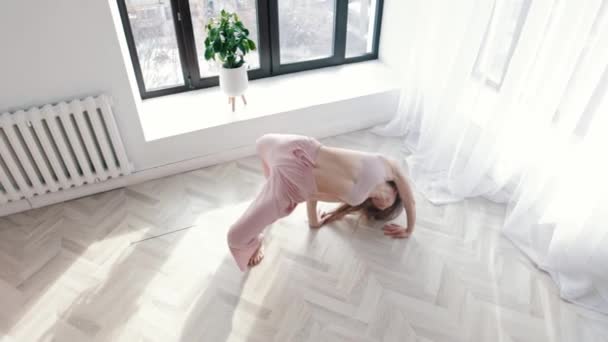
x,y
228,42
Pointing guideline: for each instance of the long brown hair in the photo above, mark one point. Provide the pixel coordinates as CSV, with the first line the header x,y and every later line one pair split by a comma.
x,y
368,210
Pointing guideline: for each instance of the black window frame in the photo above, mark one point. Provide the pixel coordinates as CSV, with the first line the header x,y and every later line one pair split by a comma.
x,y
268,46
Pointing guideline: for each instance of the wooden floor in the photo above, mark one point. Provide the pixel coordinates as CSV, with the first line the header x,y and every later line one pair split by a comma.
x,y
100,269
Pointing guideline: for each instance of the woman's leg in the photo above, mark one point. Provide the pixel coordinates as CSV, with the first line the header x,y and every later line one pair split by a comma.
x,y
280,195
265,168
264,146
246,234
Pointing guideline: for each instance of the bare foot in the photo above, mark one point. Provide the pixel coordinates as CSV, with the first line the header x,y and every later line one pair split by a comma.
x,y
257,257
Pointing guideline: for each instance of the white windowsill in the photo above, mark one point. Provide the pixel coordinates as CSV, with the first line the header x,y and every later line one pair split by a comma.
x,y
172,115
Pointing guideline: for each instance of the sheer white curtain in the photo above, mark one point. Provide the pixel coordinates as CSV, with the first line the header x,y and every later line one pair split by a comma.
x,y
509,100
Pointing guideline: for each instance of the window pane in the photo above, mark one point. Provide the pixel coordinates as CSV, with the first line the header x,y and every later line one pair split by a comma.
x,y
499,41
306,29
510,21
156,44
360,28
202,10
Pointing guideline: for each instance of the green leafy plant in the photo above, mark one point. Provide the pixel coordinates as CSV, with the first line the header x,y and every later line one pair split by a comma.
x,y
227,40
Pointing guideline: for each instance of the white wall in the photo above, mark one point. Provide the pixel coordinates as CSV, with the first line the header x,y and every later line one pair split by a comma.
x,y
56,50
61,49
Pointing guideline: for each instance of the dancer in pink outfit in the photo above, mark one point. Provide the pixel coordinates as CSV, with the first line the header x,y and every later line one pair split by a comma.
x,y
298,169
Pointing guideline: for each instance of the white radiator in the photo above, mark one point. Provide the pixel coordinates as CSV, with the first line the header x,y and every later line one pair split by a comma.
x,y
57,147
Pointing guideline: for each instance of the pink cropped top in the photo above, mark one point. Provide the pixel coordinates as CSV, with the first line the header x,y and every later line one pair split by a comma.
x,y
373,171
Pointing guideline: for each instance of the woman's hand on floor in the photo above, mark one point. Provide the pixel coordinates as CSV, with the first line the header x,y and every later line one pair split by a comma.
x,y
396,231
321,220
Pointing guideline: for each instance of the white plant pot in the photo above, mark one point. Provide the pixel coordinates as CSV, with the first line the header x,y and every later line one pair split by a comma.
x,y
234,82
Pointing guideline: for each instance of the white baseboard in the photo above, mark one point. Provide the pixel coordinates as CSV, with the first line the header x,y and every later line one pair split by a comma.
x,y
347,124
131,179
14,207
157,172
137,177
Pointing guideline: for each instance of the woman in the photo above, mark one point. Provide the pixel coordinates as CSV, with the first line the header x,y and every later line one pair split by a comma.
x,y
298,169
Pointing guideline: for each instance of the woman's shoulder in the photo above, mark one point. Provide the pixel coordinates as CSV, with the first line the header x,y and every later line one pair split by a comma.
x,y
391,166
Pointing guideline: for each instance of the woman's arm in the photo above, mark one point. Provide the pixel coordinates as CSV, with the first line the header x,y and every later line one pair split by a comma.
x,y
311,208
407,196
316,218
313,215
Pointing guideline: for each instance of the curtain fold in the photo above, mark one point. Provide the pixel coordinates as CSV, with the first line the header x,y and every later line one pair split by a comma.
x,y
509,100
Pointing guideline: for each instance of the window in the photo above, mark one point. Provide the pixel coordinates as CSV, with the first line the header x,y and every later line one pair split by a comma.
x,y
306,29
156,45
500,39
165,38
360,27
202,10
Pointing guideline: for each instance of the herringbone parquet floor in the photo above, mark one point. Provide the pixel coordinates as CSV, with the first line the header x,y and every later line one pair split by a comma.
x,y
108,268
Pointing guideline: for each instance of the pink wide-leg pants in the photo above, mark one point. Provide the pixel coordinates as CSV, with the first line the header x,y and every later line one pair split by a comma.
x,y
288,161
